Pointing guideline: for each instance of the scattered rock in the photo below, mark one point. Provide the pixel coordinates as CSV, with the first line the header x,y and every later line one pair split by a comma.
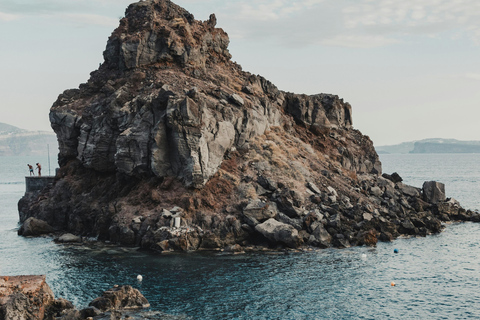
x,y
367,216
313,187
69,238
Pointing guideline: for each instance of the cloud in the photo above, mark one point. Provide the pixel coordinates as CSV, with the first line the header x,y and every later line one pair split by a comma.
x,y
415,18
76,12
472,76
358,41
357,23
90,19
348,23
33,7
7,16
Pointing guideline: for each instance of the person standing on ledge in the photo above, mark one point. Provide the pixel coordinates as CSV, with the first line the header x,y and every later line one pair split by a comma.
x,y
39,168
30,168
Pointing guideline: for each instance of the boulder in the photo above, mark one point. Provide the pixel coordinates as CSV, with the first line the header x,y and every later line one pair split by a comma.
x,y
120,297
433,192
367,216
69,238
376,191
313,187
321,235
237,99
394,177
408,190
332,191
279,232
259,210
34,227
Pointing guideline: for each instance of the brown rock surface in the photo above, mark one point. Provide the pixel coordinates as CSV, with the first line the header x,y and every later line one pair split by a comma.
x,y
24,297
30,298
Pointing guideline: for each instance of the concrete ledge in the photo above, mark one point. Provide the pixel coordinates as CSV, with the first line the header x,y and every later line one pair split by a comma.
x,y
34,183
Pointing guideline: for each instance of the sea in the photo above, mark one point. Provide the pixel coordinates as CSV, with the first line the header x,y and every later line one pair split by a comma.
x,y
435,277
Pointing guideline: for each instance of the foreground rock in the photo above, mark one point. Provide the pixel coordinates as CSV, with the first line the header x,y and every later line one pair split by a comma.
x,y
30,298
172,146
34,227
24,297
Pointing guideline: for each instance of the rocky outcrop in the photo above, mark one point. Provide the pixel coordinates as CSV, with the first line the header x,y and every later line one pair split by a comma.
x,y
172,146
124,297
30,298
24,297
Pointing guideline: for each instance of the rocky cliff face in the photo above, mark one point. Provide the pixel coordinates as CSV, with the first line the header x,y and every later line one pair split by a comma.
x,y
171,145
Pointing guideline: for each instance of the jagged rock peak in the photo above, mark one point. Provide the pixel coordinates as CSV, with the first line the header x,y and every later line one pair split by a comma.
x,y
169,102
159,31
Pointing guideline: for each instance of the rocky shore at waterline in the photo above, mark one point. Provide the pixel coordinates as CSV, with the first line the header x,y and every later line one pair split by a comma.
x,y
30,298
171,146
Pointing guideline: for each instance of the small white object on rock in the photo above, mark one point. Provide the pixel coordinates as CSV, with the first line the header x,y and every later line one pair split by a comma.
x,y
139,277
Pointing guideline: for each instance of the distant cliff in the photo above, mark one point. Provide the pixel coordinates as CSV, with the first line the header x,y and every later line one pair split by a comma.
x,y
170,145
18,142
436,145
446,146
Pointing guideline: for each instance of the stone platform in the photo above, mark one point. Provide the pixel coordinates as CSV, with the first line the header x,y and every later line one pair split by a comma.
x,y
35,183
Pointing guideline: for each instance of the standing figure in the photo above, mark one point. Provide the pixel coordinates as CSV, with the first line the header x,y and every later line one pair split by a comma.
x,y
39,168
30,168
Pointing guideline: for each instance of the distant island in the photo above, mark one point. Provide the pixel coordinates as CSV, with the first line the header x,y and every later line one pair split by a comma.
x,y
19,142
435,145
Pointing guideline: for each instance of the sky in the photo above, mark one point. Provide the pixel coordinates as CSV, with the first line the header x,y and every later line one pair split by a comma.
x,y
410,69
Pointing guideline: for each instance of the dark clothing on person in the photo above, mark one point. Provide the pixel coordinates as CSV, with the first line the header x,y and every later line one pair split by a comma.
x,y
30,168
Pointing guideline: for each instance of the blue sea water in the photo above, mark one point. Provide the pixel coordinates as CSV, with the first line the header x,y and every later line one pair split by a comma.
x,y
436,277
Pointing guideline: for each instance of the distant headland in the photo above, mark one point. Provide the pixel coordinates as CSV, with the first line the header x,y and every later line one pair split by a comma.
x,y
19,142
435,145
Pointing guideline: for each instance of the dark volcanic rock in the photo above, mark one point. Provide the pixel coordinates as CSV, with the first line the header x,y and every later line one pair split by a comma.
x,y
172,146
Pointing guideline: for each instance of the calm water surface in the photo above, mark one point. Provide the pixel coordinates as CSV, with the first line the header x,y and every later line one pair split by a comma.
x,y
436,277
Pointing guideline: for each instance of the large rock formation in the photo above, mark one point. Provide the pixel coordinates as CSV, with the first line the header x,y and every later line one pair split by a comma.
x,y
171,146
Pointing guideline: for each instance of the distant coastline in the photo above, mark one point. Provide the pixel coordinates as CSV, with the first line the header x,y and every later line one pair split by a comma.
x,y
436,145
19,142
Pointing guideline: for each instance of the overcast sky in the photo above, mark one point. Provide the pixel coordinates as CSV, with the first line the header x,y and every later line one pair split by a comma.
x,y
410,69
